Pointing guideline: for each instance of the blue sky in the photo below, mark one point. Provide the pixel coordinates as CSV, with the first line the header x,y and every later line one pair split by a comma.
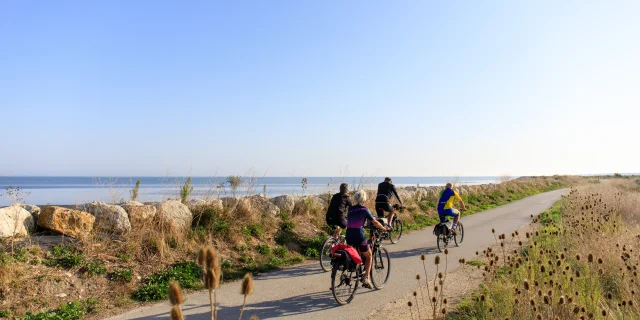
x,y
287,88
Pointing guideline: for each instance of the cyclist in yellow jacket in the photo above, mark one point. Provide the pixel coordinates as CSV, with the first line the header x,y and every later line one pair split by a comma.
x,y
445,206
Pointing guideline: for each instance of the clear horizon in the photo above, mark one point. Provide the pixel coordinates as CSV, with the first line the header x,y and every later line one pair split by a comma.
x,y
292,89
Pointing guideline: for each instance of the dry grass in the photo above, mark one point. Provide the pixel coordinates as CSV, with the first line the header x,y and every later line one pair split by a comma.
x,y
580,263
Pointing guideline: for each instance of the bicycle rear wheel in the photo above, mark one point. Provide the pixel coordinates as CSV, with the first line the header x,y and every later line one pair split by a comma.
x,y
380,268
459,234
396,233
325,254
344,284
442,242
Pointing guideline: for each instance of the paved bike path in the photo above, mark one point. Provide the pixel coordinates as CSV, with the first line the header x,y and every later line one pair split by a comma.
x,y
302,292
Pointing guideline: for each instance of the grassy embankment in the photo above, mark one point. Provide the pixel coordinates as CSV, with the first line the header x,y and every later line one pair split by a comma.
x,y
98,274
581,262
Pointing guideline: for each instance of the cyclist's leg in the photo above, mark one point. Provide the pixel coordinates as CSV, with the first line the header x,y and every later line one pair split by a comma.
x,y
367,261
336,232
363,248
341,223
331,223
456,212
380,209
448,213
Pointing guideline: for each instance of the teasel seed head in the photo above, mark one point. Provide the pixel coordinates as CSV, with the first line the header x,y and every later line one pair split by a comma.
x,y
202,257
176,313
210,280
211,256
175,294
247,284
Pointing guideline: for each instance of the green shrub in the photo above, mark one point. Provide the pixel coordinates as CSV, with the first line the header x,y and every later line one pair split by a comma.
x,y
285,234
234,182
123,256
5,258
275,262
122,275
263,249
475,263
426,205
287,226
94,268
227,264
315,243
280,252
20,254
155,287
282,238
185,191
221,228
5,313
311,252
68,311
134,192
256,230
64,257
246,259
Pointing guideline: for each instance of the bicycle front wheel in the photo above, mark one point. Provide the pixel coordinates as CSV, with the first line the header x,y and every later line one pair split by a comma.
x,y
344,284
380,268
396,233
325,254
459,234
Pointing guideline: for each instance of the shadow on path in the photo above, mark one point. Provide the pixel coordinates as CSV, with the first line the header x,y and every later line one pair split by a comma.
x,y
412,253
293,272
302,304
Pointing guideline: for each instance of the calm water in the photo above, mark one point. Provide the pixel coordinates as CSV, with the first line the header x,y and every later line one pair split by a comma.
x,y
76,190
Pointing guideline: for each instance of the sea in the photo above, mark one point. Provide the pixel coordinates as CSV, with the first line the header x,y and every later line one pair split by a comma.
x,y
51,190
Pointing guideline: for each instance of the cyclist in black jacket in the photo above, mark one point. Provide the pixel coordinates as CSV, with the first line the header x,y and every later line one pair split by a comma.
x,y
386,190
337,207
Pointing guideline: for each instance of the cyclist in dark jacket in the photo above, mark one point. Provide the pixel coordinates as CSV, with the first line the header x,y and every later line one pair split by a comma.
x,y
386,190
337,207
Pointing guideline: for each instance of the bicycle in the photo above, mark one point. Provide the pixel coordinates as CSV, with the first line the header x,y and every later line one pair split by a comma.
x,y
396,233
345,279
443,233
325,251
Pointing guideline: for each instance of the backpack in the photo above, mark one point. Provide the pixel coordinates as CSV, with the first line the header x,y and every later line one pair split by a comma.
x,y
345,257
441,228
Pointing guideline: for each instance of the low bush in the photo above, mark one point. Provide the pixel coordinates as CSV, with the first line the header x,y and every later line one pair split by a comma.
x,y
68,311
123,275
155,287
64,257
